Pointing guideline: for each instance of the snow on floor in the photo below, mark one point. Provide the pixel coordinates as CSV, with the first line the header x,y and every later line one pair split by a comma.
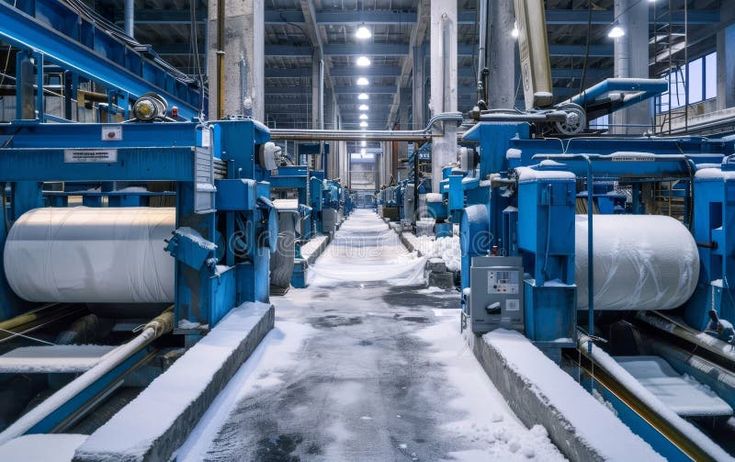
x,y
364,370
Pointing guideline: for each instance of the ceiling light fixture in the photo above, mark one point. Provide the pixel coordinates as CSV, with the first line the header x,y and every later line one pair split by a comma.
x,y
363,143
363,61
363,117
363,96
363,107
362,81
363,33
616,32
363,124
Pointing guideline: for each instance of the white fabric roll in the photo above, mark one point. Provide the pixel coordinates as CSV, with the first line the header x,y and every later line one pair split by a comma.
x,y
92,255
642,262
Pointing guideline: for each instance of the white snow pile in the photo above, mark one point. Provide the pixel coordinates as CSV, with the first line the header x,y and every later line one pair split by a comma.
x,y
446,248
365,249
491,429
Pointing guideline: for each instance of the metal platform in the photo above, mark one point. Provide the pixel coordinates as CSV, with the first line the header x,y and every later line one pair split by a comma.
x,y
681,394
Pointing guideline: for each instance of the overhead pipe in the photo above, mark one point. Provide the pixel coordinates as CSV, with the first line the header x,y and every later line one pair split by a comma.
x,y
367,135
157,327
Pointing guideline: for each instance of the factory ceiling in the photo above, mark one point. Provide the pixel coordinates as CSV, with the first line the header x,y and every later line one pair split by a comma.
x,y
290,44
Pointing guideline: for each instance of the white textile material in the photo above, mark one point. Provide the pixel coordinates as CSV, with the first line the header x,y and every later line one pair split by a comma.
x,y
92,255
642,262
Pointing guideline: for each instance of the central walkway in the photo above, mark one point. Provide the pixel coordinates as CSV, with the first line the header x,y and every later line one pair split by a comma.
x,y
364,365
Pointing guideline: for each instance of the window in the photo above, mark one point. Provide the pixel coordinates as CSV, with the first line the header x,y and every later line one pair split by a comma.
x,y
701,85
710,76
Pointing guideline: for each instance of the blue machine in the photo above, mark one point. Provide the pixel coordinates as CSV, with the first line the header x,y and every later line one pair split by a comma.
x,y
504,212
219,191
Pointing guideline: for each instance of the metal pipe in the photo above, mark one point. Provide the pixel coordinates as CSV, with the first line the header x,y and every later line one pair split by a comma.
x,y
155,328
220,59
483,39
367,135
130,18
690,440
669,325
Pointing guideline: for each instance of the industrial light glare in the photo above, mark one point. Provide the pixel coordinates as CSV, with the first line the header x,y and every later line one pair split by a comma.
x,y
363,143
515,33
363,107
362,81
363,61
363,124
616,32
363,33
363,96
363,117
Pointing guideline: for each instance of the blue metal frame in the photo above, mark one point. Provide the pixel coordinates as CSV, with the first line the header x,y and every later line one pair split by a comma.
x,y
206,236
56,34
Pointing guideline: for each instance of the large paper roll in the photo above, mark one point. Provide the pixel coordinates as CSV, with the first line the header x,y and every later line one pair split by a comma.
x,y
92,255
641,262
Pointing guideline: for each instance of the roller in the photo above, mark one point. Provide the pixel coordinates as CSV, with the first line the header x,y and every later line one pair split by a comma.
x,y
642,262
91,255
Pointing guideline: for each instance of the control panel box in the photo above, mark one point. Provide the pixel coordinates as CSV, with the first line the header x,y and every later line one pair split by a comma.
x,y
496,296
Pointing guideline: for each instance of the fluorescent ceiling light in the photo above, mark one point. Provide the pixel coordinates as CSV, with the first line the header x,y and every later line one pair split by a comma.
x,y
362,81
616,32
363,33
363,61
363,117
363,143
363,107
363,96
363,124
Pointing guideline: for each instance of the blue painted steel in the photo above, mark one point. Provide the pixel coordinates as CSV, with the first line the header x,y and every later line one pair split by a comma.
x,y
53,420
634,91
223,260
63,37
640,426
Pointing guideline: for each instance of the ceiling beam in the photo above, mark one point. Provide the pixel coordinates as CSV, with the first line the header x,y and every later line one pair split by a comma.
x,y
554,17
398,49
418,34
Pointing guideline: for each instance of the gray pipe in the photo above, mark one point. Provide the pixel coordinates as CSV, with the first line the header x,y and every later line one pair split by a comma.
x,y
367,135
130,18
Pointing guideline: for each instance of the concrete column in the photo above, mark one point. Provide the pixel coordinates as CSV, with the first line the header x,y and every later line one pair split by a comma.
x,y
419,99
405,100
244,58
501,53
378,169
443,83
726,58
317,90
631,60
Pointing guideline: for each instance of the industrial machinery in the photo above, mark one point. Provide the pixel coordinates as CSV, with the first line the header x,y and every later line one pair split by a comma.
x,y
172,214
610,253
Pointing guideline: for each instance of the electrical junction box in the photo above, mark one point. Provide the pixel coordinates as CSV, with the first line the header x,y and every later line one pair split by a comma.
x,y
496,296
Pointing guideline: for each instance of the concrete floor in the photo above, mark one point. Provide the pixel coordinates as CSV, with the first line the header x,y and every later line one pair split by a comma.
x,y
360,368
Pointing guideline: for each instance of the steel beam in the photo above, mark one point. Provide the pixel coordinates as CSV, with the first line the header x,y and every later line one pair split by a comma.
x,y
102,58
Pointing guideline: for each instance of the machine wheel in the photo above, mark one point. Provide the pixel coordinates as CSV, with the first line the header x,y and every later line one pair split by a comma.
x,y
576,120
